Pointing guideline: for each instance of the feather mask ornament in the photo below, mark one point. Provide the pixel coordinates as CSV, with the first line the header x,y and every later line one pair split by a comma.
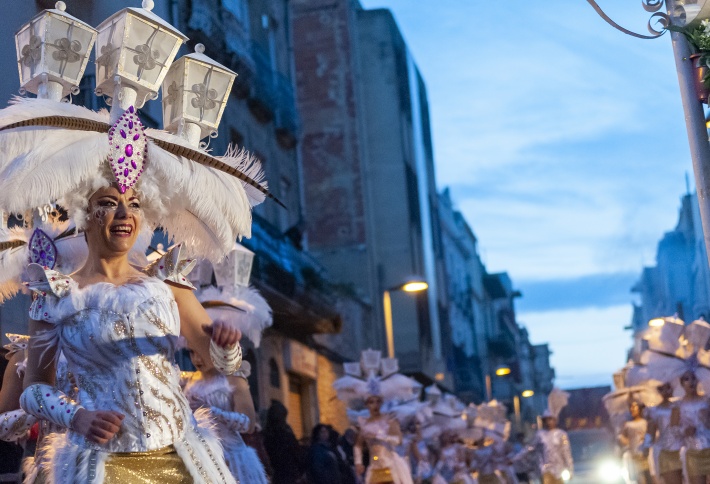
x,y
52,151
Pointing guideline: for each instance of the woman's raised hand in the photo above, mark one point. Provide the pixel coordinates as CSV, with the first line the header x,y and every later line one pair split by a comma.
x,y
223,333
96,425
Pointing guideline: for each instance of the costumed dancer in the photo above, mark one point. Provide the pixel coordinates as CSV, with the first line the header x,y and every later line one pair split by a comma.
x,y
492,456
677,354
665,435
117,326
228,397
371,383
552,443
448,416
625,408
632,438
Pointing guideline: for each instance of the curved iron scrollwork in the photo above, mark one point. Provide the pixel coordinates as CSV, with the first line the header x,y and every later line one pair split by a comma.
x,y
657,24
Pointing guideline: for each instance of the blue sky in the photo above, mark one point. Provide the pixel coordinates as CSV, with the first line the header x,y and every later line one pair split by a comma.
x,y
564,144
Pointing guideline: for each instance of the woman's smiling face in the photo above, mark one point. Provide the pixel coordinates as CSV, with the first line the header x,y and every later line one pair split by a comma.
x,y
114,220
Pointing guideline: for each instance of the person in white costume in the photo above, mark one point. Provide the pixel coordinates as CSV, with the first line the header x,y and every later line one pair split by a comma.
x,y
552,443
117,324
381,434
665,433
632,437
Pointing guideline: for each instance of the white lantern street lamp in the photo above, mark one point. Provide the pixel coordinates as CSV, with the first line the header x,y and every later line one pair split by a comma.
x,y
195,93
691,12
134,50
52,53
235,268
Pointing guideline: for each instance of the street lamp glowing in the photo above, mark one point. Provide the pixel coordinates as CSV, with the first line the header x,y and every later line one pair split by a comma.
x,y
656,323
528,393
503,371
415,286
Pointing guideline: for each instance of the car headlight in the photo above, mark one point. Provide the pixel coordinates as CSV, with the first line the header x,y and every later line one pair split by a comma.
x,y
610,471
566,475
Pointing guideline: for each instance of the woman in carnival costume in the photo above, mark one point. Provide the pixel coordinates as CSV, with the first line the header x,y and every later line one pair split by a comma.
x,y
227,396
632,438
552,443
374,382
676,354
117,325
664,433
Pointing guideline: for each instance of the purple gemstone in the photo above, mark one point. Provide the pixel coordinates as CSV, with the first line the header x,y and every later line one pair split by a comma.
x,y
42,254
133,164
136,137
129,150
122,188
123,134
121,159
125,172
130,124
131,109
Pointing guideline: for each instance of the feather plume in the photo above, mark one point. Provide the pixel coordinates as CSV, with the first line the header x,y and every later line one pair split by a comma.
x,y
245,162
12,262
556,401
249,310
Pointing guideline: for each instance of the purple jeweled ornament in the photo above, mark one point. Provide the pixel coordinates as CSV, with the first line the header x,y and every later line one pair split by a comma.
x,y
42,249
128,149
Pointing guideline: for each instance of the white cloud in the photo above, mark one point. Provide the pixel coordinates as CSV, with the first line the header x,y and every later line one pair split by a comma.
x,y
588,345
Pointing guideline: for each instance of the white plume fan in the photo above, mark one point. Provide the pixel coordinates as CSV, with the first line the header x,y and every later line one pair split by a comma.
x,y
245,306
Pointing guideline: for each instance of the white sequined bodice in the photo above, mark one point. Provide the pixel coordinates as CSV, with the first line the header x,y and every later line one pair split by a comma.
x,y
635,431
555,453
119,342
693,413
669,437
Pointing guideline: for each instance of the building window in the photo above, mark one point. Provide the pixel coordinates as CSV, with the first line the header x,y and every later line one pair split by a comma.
x,y
274,375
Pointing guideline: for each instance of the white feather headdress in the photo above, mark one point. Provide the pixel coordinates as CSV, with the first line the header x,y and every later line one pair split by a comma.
x,y
243,305
556,401
673,349
375,375
52,151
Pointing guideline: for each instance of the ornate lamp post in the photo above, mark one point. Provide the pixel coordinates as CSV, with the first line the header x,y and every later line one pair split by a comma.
x,y
52,52
235,268
134,51
683,13
195,93
413,284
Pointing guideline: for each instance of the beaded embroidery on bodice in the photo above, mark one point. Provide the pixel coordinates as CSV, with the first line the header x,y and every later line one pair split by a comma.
x,y
119,342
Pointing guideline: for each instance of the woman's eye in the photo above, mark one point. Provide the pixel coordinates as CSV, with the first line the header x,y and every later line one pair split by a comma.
x,y
107,203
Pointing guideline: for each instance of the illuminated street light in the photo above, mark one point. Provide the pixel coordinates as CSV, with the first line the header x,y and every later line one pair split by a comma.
x,y
527,393
502,371
656,323
411,285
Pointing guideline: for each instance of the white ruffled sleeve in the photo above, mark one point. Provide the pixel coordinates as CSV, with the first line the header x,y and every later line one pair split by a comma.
x,y
48,286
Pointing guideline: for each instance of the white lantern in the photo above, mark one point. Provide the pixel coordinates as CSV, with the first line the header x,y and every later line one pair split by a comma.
x,y
195,93
134,50
52,53
691,12
235,268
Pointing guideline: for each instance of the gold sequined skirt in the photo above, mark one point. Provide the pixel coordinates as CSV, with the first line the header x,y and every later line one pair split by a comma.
x,y
698,462
640,462
550,479
669,461
488,479
157,466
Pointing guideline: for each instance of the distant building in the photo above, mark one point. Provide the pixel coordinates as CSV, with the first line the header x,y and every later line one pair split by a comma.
x,y
483,333
679,282
371,203
585,409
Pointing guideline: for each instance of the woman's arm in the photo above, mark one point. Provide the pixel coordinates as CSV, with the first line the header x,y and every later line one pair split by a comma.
x,y
216,340
11,385
241,399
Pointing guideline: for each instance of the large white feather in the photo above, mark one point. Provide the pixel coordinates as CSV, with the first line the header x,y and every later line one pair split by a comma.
x,y
255,315
245,162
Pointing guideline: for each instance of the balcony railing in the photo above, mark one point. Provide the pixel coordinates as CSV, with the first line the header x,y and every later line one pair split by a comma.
x,y
294,283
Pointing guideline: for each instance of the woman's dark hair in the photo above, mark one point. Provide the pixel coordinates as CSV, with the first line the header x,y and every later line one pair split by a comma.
x,y
315,437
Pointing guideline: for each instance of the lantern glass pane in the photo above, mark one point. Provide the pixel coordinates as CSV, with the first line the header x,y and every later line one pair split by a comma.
x,y
147,51
108,49
29,42
172,94
204,93
66,47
